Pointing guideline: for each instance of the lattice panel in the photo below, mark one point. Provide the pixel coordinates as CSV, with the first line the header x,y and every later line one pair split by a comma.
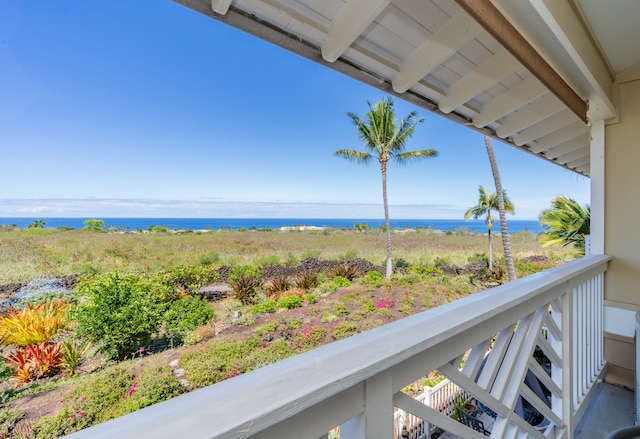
x,y
504,374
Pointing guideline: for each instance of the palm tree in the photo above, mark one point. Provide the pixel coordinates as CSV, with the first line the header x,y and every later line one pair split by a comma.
x,y
36,224
384,141
486,203
567,223
506,244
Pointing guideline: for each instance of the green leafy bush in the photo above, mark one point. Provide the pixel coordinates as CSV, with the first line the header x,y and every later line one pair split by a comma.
x,y
340,282
266,328
309,337
373,278
344,330
188,278
245,281
121,312
94,225
265,307
290,302
9,419
209,258
217,361
426,271
112,394
186,314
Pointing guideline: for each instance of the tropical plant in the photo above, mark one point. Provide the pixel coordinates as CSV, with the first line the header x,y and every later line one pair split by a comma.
x,y
488,202
506,244
566,222
121,313
384,141
37,224
94,225
33,324
245,281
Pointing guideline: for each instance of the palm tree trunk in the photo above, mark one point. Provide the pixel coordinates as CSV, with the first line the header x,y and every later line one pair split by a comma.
x,y
389,267
506,244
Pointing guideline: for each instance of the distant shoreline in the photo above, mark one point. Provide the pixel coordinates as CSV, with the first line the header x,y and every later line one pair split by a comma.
x,y
194,224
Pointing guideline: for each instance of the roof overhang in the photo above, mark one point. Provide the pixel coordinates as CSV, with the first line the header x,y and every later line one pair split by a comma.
x,y
439,55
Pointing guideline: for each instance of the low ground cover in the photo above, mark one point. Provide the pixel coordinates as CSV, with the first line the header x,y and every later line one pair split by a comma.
x,y
163,335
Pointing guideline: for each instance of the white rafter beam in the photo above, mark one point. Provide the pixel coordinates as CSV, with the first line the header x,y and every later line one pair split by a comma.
x,y
512,99
560,136
546,126
582,161
355,17
567,147
478,80
578,154
440,46
220,6
529,115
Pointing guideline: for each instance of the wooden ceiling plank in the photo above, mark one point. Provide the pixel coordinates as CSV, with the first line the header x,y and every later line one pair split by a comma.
x,y
567,147
220,6
478,80
584,160
529,115
492,20
544,127
355,17
512,99
575,155
556,138
442,44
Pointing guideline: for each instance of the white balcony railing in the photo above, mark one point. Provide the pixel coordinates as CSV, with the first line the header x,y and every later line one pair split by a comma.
x,y
356,382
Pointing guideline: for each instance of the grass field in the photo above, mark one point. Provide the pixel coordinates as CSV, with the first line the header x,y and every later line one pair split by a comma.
x,y
32,253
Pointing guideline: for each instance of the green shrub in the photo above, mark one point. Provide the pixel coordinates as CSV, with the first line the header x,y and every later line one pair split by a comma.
x,y
344,330
350,254
426,271
94,225
340,282
340,308
245,281
217,361
112,394
290,302
373,278
264,307
327,317
265,261
266,328
188,278
310,298
209,258
121,312
186,314
9,419
309,337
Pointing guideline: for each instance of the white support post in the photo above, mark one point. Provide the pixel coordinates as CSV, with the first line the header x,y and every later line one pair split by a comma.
x,y
597,187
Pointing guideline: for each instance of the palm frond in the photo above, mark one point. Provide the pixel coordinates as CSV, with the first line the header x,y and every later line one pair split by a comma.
x,y
360,157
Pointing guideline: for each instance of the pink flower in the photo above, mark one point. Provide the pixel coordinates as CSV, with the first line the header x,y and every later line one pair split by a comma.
x,y
131,389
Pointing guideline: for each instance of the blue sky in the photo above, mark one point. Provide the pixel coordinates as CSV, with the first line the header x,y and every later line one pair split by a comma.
x,y
148,109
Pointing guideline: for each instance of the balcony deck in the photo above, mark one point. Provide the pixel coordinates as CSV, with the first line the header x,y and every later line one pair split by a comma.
x,y
612,407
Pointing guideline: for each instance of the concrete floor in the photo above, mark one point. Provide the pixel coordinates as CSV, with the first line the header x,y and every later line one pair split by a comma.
x,y
612,407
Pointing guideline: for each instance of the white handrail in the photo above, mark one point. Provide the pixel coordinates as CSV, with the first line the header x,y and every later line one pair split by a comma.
x,y
359,379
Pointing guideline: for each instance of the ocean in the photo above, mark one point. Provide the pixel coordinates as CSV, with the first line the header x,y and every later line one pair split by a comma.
x,y
133,224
